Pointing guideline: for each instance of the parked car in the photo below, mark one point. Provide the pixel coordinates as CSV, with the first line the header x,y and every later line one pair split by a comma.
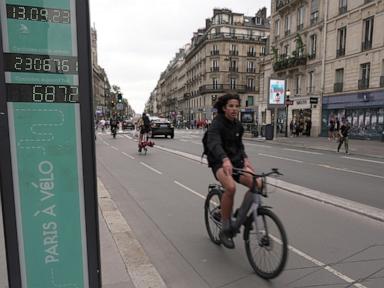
x,y
161,127
128,124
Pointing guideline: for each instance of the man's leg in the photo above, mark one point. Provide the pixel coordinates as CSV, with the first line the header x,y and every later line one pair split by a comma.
x,y
229,186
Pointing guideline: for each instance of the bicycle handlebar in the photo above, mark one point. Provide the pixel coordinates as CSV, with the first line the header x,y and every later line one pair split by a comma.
x,y
242,171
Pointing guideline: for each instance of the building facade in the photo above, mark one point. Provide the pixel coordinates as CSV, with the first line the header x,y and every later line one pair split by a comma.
x,y
297,51
354,67
221,58
332,51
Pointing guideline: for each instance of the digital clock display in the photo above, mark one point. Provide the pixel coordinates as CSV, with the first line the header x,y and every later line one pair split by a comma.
x,y
53,15
38,93
15,62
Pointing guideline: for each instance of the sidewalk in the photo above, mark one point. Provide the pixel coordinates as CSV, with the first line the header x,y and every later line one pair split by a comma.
x,y
368,148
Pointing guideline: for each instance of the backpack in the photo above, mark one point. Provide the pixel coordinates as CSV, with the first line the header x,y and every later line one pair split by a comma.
x,y
113,122
146,121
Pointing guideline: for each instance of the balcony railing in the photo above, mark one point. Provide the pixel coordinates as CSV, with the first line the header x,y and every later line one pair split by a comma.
x,y
314,18
366,45
338,87
251,54
215,52
367,1
312,56
289,62
311,89
233,69
234,52
221,88
300,27
340,52
381,81
363,84
251,70
343,10
287,32
215,69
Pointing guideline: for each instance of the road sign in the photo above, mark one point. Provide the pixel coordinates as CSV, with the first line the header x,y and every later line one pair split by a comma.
x,y
119,106
288,102
49,194
313,100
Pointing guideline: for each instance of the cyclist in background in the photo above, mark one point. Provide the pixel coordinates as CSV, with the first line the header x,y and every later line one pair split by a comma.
x,y
144,125
225,151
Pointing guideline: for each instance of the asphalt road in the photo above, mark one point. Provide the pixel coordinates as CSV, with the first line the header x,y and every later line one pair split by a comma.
x,y
161,196
356,178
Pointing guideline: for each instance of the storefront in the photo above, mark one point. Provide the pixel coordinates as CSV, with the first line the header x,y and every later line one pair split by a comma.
x,y
364,112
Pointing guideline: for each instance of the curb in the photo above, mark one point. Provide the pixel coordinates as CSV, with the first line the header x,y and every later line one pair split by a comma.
x,y
143,274
352,206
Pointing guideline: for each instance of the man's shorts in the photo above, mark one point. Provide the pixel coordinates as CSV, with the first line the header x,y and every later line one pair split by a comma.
x,y
236,177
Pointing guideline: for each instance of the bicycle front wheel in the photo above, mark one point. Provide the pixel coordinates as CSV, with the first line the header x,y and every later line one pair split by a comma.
x,y
266,246
212,215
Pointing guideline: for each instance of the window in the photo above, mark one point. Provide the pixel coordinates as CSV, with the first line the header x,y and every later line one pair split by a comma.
x,y
215,85
286,51
367,33
339,80
277,27
232,83
251,67
300,18
311,79
251,83
365,70
313,44
215,66
287,25
258,20
250,101
251,51
297,84
341,40
342,6
232,32
314,11
263,51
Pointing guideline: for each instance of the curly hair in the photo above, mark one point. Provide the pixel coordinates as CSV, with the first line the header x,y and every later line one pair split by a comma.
x,y
223,100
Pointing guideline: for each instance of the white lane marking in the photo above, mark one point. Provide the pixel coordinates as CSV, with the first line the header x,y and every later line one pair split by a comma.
x,y
126,136
295,250
361,159
257,145
282,158
151,168
303,151
114,148
350,171
189,189
106,143
326,267
128,155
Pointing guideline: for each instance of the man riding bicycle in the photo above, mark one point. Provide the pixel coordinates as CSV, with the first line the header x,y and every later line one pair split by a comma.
x,y
144,125
225,151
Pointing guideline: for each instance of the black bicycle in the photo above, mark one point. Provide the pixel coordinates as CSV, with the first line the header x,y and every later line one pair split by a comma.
x,y
265,238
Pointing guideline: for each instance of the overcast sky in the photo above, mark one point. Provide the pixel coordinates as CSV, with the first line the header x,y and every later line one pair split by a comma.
x,y
138,38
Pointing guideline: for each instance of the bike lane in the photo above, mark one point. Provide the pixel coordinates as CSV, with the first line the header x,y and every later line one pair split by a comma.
x,y
329,246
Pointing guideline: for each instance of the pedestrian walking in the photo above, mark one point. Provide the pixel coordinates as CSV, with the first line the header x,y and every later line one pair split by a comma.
x,y
331,127
343,133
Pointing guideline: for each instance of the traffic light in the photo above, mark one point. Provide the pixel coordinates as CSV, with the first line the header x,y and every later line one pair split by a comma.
x,y
112,104
119,98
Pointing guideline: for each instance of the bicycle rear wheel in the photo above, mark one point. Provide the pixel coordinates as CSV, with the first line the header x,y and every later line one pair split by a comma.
x,y
212,215
267,252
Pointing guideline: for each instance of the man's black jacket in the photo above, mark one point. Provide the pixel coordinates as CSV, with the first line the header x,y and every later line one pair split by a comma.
x,y
225,140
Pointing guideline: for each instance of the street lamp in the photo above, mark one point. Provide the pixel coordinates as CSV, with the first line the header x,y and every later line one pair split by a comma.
x,y
287,103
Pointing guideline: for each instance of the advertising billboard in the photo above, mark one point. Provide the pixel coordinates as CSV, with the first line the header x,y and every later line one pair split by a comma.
x,y
276,92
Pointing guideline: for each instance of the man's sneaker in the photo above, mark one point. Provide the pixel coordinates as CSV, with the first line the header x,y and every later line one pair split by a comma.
x,y
226,239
